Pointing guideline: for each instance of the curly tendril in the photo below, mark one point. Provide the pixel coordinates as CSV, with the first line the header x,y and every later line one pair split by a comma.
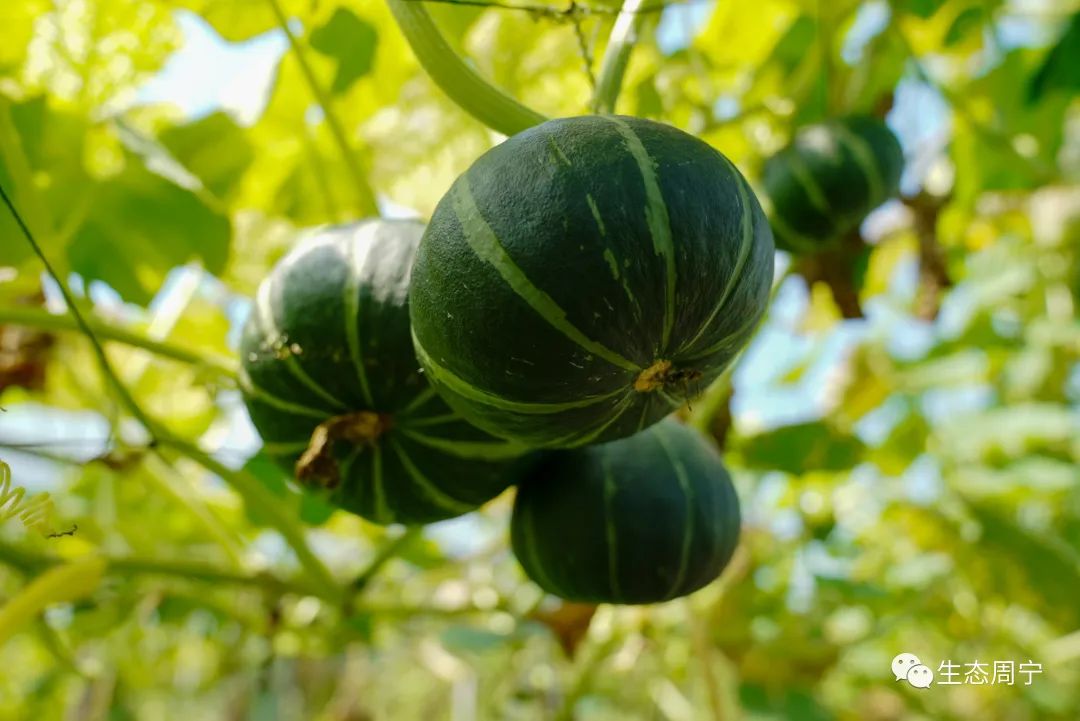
x,y
34,512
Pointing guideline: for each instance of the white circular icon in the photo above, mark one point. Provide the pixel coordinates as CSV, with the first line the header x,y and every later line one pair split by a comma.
x,y
920,676
903,663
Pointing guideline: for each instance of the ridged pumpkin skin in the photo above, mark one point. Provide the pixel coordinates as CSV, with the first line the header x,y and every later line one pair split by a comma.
x,y
828,179
584,277
328,337
639,520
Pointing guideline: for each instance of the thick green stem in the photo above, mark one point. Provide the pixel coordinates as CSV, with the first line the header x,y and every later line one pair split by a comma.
x,y
462,84
365,195
44,320
624,36
32,563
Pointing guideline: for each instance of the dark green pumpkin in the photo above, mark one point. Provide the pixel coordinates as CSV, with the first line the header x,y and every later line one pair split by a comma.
x,y
334,388
584,277
825,183
639,520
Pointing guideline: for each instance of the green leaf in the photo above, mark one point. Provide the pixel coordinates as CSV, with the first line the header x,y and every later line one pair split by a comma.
x,y
64,583
967,21
962,368
51,145
128,230
312,509
922,8
851,590
422,553
140,226
214,148
1011,432
1031,563
351,42
649,102
1059,71
361,626
470,639
234,20
1017,481
793,46
18,23
905,443
270,474
990,158
812,446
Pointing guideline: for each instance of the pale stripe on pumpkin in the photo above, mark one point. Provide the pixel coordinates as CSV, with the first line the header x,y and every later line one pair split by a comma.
x,y
356,265
476,450
865,159
464,389
249,387
483,241
689,528
537,565
610,529
264,317
809,184
656,217
746,242
437,497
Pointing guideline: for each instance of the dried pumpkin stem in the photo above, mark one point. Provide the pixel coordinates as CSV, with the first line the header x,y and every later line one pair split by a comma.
x,y
318,466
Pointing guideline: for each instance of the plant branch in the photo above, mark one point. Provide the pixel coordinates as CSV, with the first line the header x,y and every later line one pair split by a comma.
x,y
166,479
366,196
99,351
252,491
389,550
624,35
588,668
30,563
835,267
461,83
104,330
934,277
33,562
261,500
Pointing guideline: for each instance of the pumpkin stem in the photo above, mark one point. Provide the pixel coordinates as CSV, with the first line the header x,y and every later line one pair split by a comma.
x,y
318,466
653,377
661,375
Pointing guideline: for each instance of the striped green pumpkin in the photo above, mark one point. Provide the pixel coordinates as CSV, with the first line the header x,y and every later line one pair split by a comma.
x,y
639,520
333,386
584,277
825,183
